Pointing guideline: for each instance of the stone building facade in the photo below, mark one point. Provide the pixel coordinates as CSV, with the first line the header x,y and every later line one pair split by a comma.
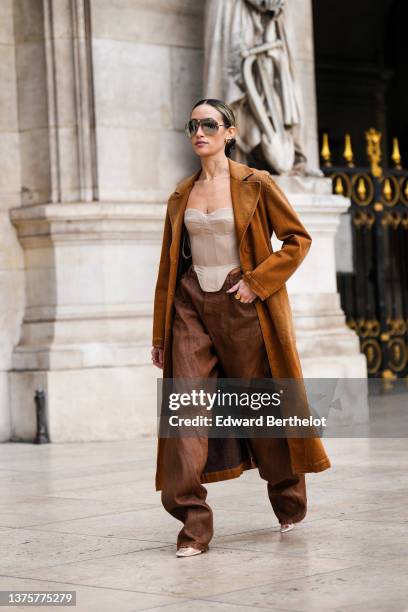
x,y
94,95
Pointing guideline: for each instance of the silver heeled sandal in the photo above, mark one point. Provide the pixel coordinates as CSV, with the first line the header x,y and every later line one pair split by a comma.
x,y
286,527
187,551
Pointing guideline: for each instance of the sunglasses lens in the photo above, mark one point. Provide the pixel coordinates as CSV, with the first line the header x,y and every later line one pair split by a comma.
x,y
191,127
209,126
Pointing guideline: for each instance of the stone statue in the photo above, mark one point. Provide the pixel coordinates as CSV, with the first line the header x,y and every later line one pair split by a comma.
x,y
248,65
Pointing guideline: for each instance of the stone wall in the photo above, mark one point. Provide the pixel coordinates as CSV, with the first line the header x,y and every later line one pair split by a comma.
x,y
12,297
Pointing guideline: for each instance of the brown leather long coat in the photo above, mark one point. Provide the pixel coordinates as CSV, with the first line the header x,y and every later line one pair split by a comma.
x,y
260,208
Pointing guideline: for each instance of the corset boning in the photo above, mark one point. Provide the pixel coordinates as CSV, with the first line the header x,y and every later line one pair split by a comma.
x,y
214,247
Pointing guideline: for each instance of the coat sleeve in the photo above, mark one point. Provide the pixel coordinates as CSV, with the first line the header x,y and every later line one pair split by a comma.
x,y
272,273
160,295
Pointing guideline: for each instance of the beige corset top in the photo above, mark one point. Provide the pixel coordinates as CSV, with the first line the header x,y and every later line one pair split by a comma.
x,y
213,242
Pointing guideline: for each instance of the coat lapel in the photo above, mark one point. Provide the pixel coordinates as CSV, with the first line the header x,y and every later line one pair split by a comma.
x,y
244,196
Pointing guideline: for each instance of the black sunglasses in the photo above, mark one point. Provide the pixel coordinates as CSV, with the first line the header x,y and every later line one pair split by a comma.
x,y
209,125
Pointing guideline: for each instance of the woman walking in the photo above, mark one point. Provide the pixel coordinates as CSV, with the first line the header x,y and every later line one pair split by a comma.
x,y
221,309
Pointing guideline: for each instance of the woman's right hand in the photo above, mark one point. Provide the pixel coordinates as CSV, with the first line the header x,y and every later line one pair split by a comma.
x,y
157,356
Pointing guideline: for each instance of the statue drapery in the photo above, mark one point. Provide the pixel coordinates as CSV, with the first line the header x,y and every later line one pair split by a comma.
x,y
248,64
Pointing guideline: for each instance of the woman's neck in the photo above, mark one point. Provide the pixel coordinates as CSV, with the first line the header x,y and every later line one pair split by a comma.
x,y
213,169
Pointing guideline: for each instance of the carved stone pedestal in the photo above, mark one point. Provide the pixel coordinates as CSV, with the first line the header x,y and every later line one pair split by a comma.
x,y
86,332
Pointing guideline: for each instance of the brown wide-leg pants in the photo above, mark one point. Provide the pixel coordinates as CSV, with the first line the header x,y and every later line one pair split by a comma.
x,y
215,334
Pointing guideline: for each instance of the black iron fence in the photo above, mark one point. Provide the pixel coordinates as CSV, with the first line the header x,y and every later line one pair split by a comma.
x,y
374,296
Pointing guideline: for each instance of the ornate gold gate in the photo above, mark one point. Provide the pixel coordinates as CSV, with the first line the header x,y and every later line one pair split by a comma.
x,y
374,296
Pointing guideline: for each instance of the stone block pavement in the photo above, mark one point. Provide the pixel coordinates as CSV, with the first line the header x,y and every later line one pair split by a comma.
x,y
86,517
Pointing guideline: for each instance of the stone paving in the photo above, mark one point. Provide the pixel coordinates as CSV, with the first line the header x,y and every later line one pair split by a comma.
x,y
86,517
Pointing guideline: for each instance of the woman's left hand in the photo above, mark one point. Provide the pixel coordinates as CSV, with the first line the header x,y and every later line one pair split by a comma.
x,y
247,295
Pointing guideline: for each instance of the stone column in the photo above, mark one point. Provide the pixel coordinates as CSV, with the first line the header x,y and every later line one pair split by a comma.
x,y
101,149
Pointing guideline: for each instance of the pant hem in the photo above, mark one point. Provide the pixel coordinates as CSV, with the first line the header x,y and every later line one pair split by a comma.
x,y
297,518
